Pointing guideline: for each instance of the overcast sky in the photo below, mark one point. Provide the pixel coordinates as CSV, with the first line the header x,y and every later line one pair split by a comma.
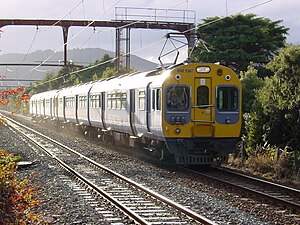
x,y
21,39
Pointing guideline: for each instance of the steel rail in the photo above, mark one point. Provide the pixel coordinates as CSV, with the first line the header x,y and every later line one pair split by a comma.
x,y
197,217
293,205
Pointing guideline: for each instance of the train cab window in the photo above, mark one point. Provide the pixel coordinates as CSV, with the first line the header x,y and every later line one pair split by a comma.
x,y
158,99
227,99
178,98
202,95
142,97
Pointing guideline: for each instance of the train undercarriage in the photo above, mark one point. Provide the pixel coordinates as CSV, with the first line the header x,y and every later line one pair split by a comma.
x,y
187,151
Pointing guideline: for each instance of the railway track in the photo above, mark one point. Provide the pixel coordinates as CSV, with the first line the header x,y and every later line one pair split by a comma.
x,y
117,198
279,194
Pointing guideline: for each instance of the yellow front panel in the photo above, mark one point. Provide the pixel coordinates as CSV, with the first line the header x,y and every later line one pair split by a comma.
x,y
203,130
202,122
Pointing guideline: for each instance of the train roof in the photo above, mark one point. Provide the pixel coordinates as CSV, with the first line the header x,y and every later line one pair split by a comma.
x,y
42,95
128,81
76,90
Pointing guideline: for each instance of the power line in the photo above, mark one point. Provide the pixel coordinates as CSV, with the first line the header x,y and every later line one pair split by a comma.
x,y
207,24
88,25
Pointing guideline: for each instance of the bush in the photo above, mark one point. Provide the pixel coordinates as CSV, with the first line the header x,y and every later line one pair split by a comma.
x,y
262,164
17,199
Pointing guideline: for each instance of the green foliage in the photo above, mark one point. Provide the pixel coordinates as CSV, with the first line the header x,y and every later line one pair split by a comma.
x,y
280,99
109,72
17,199
274,117
239,40
69,76
97,68
253,134
250,83
95,77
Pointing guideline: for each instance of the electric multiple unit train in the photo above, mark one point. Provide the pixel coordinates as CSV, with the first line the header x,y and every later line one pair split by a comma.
x,y
189,113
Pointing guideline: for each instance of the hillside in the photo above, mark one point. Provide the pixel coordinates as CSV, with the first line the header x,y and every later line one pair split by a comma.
x,y
78,56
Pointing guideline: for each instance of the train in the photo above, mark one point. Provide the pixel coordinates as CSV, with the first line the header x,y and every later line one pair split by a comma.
x,y
189,113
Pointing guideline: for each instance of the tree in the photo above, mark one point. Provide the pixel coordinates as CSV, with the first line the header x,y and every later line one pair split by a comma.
x,y
280,98
97,68
250,83
69,76
109,72
239,40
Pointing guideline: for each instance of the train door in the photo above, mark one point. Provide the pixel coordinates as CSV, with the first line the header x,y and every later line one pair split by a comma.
x,y
56,106
76,107
132,112
36,107
202,116
102,105
148,107
44,108
64,108
51,113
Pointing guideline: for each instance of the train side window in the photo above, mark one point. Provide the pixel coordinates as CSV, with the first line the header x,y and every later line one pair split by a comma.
x,y
202,95
81,102
123,101
108,101
227,99
153,99
141,100
94,101
114,100
91,101
85,102
118,100
158,99
98,105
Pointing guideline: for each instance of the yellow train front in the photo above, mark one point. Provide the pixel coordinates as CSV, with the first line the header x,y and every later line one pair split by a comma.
x,y
201,113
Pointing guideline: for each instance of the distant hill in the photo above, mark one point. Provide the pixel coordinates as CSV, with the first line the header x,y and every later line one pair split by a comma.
x,y
78,56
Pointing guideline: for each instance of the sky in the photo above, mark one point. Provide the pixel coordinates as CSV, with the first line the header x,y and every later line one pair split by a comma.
x,y
144,43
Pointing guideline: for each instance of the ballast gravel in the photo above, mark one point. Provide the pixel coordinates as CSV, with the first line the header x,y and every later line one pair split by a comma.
x,y
61,205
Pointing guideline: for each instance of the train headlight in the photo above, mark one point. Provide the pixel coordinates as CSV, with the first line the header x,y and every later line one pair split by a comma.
x,y
177,130
203,69
177,118
177,77
172,119
228,121
228,77
182,119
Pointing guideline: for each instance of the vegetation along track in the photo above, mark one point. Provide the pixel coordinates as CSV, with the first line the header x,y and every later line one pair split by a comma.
x,y
266,190
117,198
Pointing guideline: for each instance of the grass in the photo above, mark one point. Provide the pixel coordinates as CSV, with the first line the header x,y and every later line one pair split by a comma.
x,y
282,170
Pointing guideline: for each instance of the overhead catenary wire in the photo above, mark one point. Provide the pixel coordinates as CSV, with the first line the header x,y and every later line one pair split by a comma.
x,y
102,63
67,14
88,25
40,30
120,27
